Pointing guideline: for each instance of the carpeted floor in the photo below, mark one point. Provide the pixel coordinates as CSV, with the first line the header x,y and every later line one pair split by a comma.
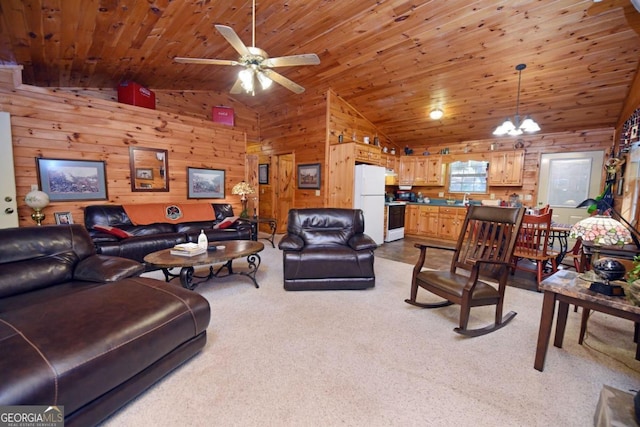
x,y
366,358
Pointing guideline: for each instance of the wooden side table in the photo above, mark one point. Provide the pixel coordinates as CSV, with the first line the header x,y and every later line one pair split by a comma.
x,y
567,288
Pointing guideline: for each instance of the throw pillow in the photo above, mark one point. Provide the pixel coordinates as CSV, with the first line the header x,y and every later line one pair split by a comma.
x,y
114,231
226,223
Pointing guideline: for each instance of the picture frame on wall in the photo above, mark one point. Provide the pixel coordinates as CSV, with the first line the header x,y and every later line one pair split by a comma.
x,y
263,173
63,218
309,176
71,180
205,183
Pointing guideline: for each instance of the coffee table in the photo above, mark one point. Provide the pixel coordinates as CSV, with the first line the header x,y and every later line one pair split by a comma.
x,y
232,249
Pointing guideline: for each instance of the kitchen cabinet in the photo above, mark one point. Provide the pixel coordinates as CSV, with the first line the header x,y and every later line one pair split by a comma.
x,y
506,168
421,170
428,221
342,161
365,153
411,219
407,170
450,222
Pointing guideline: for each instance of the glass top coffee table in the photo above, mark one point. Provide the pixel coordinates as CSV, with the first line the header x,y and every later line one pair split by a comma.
x,y
225,253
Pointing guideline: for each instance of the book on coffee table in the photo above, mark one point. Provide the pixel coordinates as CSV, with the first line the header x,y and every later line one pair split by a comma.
x,y
187,249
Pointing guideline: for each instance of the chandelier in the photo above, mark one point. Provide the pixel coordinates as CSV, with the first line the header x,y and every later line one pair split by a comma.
x,y
515,127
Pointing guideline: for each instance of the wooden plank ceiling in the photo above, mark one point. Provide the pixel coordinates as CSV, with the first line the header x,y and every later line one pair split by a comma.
x,y
393,60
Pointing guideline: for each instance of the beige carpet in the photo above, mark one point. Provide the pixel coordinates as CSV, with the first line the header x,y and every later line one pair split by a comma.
x,y
366,358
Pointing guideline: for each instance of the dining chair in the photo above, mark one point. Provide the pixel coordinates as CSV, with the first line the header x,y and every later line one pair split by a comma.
x,y
479,268
533,244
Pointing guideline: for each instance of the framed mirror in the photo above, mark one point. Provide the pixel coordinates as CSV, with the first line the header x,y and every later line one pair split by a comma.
x,y
149,169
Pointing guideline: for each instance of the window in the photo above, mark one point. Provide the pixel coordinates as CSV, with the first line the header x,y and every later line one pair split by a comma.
x,y
468,177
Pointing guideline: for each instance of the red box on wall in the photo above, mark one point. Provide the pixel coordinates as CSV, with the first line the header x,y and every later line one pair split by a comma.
x,y
223,115
133,94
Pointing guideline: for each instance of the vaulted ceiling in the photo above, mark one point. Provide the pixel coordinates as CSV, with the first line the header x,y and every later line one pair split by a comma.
x,y
393,60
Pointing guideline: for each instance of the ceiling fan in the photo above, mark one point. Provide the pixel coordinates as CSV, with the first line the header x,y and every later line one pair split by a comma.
x,y
257,64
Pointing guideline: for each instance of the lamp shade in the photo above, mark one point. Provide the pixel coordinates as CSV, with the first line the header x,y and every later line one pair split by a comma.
x,y
242,188
601,230
37,199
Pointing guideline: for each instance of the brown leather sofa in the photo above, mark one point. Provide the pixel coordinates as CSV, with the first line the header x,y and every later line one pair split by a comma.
x,y
326,249
82,330
158,236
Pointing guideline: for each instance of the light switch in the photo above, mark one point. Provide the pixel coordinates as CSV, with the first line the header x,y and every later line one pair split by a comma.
x,y
441,194
317,192
34,187
492,196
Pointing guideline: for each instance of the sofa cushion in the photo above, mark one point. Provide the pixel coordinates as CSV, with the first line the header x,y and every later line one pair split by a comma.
x,y
312,263
69,351
114,231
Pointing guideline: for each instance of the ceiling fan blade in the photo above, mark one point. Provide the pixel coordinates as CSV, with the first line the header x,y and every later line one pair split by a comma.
x,y
205,61
291,61
237,87
282,80
233,39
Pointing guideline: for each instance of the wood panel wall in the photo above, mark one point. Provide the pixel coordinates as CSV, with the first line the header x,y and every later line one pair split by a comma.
x,y
59,124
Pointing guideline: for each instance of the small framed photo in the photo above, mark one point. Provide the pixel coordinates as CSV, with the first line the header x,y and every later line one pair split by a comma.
x,y
263,174
309,176
63,218
143,173
205,183
71,180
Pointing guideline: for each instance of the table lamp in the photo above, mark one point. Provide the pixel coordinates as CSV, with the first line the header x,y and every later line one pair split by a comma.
x,y
243,188
601,230
37,200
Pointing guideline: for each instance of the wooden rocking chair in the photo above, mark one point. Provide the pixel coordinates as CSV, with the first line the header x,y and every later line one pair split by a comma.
x,y
483,250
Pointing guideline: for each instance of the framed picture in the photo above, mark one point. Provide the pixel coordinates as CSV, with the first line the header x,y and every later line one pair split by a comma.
x,y
149,169
263,174
205,183
144,173
309,176
63,217
70,180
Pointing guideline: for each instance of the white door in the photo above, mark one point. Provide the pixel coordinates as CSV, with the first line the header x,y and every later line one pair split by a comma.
x,y
566,179
8,205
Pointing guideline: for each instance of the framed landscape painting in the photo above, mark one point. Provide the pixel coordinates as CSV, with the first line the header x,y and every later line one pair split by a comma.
x,y
71,180
309,176
205,183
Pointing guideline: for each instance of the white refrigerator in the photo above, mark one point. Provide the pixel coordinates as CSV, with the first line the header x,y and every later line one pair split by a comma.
x,y
369,196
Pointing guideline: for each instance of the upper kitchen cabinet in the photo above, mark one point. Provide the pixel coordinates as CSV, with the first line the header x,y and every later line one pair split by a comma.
x,y
506,168
421,170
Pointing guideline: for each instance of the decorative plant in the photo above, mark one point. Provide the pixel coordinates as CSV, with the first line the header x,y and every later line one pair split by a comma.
x,y
633,279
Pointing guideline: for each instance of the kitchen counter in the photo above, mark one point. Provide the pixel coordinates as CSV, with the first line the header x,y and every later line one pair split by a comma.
x,y
443,202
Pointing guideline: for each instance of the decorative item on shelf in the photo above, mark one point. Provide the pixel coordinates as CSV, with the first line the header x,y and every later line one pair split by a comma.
x,y
408,151
376,141
243,188
393,151
340,138
516,127
601,230
37,200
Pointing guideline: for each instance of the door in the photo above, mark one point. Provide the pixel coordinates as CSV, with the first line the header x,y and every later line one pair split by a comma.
x,y
8,205
566,179
285,189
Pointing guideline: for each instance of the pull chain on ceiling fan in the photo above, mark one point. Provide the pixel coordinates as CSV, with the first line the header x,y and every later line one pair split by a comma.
x,y
257,64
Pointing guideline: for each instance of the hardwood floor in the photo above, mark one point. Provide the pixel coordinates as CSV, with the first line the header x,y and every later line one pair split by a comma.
x,y
403,250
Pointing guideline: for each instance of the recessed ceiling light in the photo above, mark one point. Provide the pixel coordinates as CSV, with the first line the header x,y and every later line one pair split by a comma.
x,y
436,114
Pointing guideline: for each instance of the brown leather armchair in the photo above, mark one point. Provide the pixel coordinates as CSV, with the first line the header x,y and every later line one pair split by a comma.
x,y
326,249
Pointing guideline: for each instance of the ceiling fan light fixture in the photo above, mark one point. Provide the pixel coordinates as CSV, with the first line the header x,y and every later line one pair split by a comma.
x,y
516,128
246,79
436,114
265,81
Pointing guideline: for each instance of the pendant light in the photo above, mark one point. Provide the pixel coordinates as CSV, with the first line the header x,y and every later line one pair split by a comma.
x,y
515,127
